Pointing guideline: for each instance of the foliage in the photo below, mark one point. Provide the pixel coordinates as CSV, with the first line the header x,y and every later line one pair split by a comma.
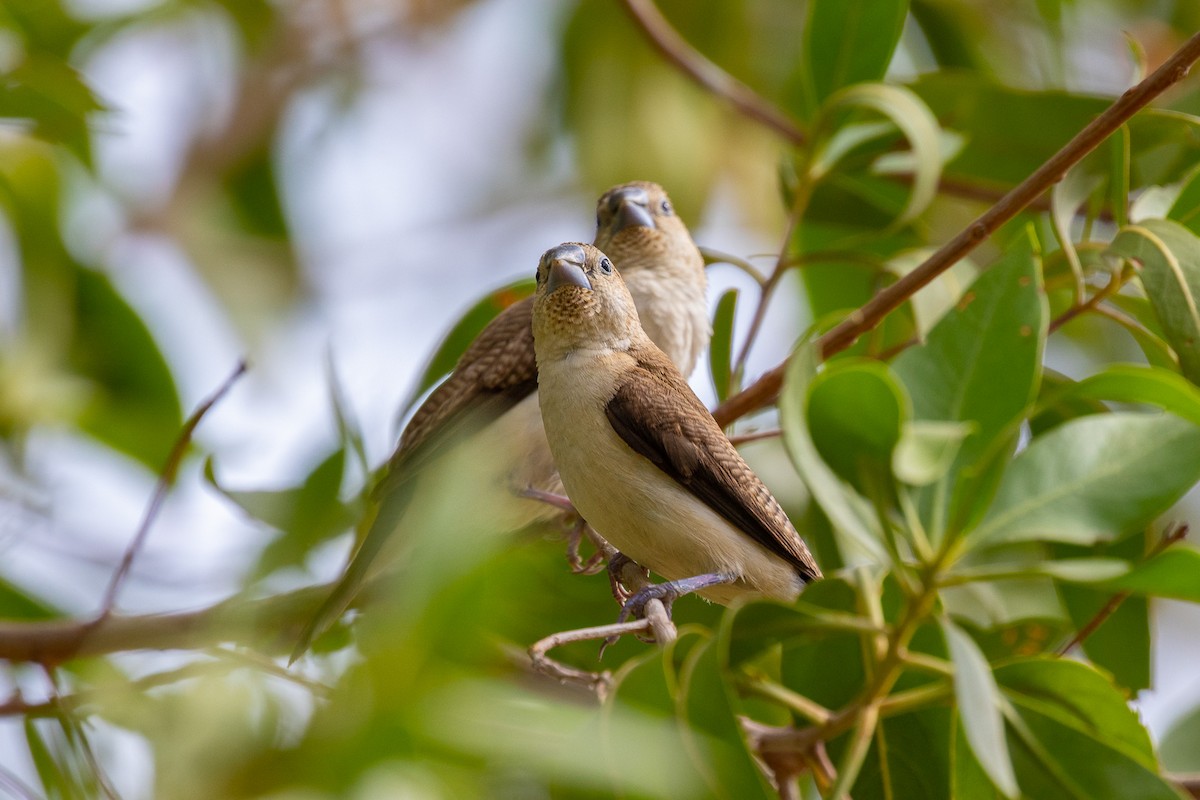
x,y
979,514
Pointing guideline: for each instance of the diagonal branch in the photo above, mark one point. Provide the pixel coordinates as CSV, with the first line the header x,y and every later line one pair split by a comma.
x,y
165,481
716,80
766,389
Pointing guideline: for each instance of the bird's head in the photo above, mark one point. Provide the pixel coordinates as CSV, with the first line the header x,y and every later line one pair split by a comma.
x,y
581,301
638,228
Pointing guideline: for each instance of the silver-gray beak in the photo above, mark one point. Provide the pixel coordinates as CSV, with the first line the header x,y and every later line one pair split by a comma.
x,y
631,209
566,267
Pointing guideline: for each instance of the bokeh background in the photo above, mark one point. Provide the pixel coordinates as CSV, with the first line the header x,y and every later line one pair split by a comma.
x,y
323,187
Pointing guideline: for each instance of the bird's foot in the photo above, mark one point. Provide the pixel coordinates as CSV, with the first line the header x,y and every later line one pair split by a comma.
x,y
595,562
559,501
666,593
618,563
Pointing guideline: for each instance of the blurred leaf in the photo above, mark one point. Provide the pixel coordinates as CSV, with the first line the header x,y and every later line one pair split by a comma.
x,y
1186,207
1180,748
855,412
1066,198
720,348
910,757
53,98
1170,259
708,712
1148,334
846,42
463,333
254,192
979,707
914,120
927,450
806,660
307,514
134,406
1093,479
17,604
847,510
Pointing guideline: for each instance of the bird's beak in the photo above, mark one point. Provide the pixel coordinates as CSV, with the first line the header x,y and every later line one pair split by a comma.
x,y
631,209
566,268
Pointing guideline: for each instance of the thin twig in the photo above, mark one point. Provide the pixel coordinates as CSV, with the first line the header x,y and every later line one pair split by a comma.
x,y
1169,538
165,481
716,80
754,436
764,391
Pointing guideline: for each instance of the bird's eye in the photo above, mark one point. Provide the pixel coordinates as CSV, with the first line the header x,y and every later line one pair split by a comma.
x,y
666,206
606,266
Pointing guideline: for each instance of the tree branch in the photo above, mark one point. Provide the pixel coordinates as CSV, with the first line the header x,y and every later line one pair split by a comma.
x,y
269,624
766,389
695,65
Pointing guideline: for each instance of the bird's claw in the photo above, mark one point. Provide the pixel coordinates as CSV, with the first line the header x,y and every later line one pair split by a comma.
x,y
580,567
635,606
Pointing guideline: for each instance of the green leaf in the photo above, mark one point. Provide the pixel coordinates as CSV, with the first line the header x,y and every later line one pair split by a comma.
x,y
1172,573
1180,749
51,95
1093,479
17,604
913,119
1128,383
927,450
134,406
848,512
855,412
979,708
1186,208
463,333
1072,715
708,709
720,348
981,363
934,301
1170,259
847,42
307,514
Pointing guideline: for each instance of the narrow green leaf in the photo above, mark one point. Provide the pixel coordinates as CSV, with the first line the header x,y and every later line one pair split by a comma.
x,y
1094,479
848,42
1170,257
848,511
134,407
913,119
978,701
463,333
720,347
1127,383
1186,208
1172,573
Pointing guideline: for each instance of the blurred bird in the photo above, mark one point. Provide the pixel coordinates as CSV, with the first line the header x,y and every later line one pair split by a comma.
x,y
639,454
474,455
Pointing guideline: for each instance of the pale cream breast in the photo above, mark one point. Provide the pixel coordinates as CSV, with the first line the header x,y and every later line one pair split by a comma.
x,y
641,510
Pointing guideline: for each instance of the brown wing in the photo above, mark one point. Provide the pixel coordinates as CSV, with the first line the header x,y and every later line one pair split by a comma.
x,y
656,413
495,373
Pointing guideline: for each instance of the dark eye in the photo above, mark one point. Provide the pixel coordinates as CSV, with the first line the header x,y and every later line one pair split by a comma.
x,y
665,207
606,266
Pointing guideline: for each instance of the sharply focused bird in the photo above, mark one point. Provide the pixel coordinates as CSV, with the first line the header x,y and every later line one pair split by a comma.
x,y
475,452
640,456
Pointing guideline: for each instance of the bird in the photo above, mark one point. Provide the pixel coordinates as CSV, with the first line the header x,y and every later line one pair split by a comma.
x,y
639,454
481,428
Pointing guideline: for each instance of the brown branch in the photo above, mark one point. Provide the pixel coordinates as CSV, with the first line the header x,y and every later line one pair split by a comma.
x,y
1169,538
766,389
165,481
704,72
270,624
